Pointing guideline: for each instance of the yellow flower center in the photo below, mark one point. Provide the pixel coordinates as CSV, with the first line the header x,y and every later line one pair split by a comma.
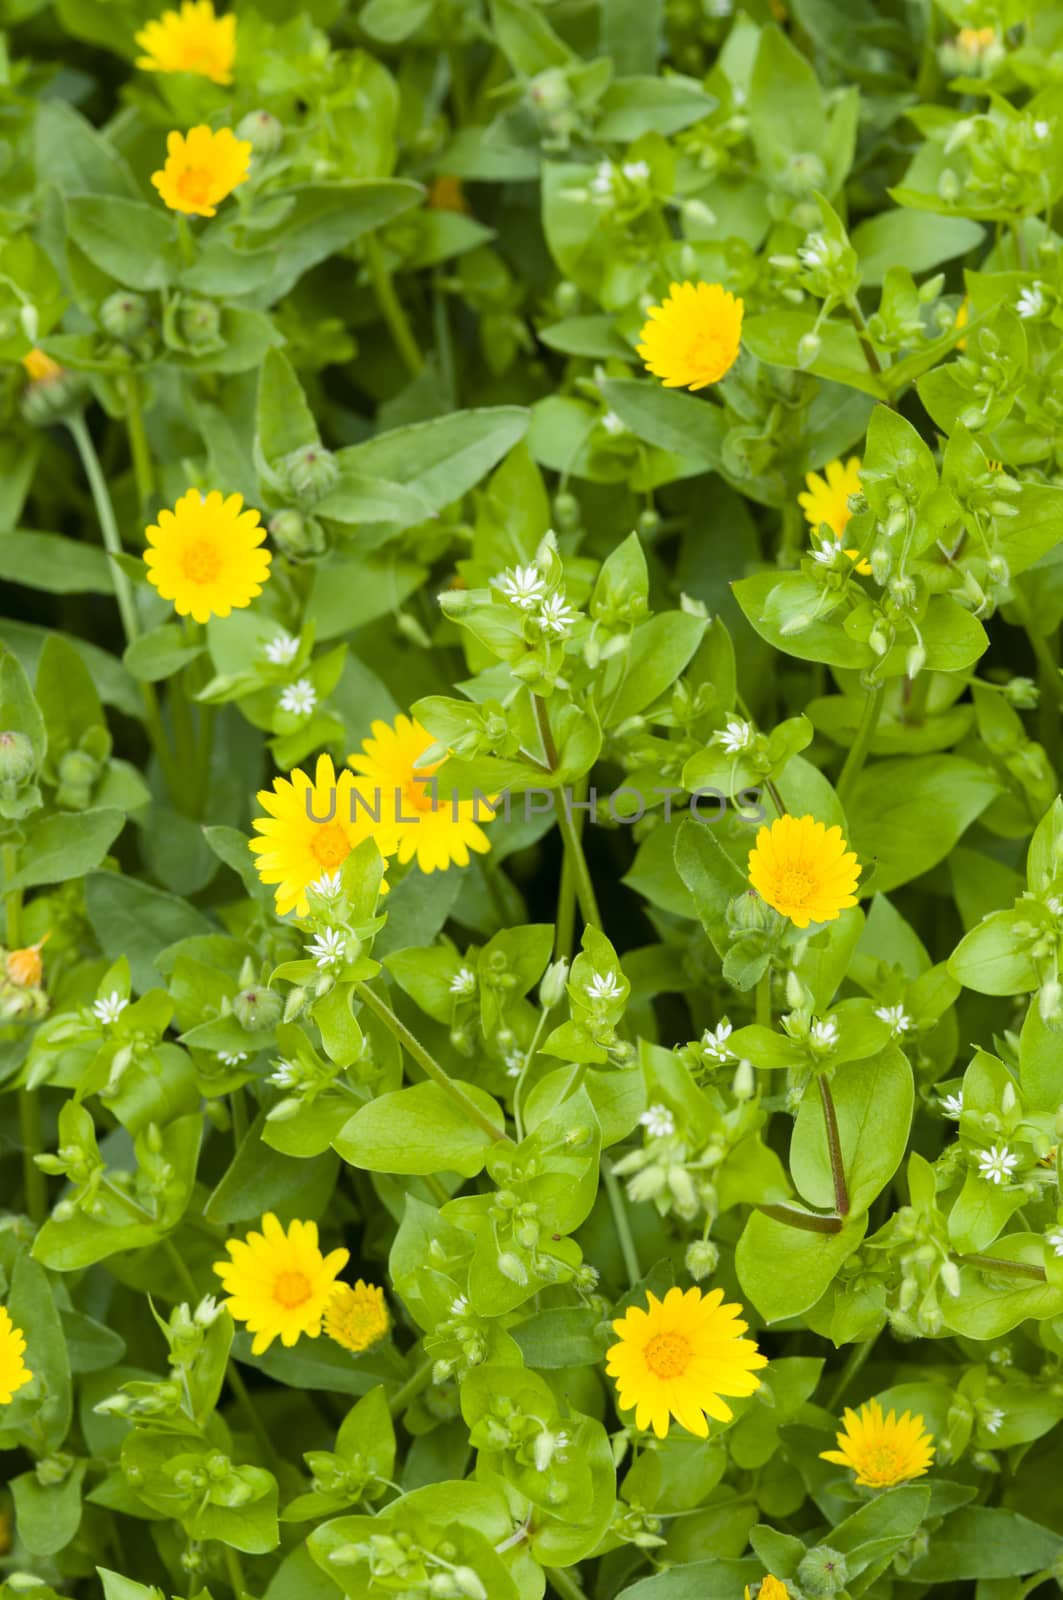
x,y
706,352
291,1289
882,1464
194,185
794,885
201,561
330,846
667,1355
418,794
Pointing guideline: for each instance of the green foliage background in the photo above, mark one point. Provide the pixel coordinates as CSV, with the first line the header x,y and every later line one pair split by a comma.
x,y
414,396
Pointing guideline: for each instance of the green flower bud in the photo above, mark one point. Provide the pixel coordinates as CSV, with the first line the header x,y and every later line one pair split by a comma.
x,y
552,988
822,1572
567,512
258,1009
297,536
312,472
199,324
702,1257
78,769
567,297
649,524
748,913
17,758
808,348
124,316
263,132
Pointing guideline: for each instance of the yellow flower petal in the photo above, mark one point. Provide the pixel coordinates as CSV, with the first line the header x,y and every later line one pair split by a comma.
x,y
14,1373
204,555
190,40
827,498
278,1283
310,829
676,1357
357,1318
692,339
201,169
882,1450
804,869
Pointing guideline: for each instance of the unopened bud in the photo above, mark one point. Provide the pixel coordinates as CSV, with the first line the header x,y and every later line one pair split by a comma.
x,y
296,535
552,988
124,316
257,1009
312,472
822,1572
702,1257
17,758
263,132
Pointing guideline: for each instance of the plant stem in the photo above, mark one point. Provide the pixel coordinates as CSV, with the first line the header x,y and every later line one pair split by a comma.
x,y
566,893
143,470
1015,1269
809,1221
428,1064
763,1000
391,308
622,1225
834,1147
34,1183
185,241
234,1570
123,591
856,317
418,1380
854,1363
585,895
565,1586
854,761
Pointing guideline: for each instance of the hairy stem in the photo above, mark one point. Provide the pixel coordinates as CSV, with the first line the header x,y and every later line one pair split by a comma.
x,y
854,761
809,1221
418,1380
564,1585
834,1147
1012,1269
615,1196
143,470
428,1064
391,308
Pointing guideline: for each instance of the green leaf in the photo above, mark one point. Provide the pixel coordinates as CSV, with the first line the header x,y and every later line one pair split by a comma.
x,y
132,918
135,243
159,653
873,1100
915,238
418,1130
907,813
676,422
51,562
785,1270
65,846
442,459
285,422
631,107
986,1542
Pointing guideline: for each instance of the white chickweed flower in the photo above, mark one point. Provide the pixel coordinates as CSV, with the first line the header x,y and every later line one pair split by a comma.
x,y
1031,301
299,698
658,1121
463,981
523,587
232,1058
997,1164
951,1105
736,736
714,1042
824,1034
555,615
1054,1240
328,948
897,1017
328,885
281,649
110,1008
603,986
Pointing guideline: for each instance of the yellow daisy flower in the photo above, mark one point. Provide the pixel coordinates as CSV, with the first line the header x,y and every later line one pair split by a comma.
x,y
295,849
201,168
14,1373
771,1589
279,1283
974,42
190,40
804,869
416,822
827,499
678,1356
204,555
882,1450
41,368
693,337
357,1318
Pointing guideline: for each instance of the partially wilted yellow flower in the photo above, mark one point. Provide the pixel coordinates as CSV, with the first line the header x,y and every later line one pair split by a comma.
x,y
202,167
416,821
205,555
882,1450
771,1589
297,851
41,368
446,194
678,1356
14,1373
357,1318
25,967
804,869
692,339
827,498
190,40
279,1283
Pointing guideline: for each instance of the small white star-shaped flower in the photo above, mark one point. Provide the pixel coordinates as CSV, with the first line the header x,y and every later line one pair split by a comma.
x,y
284,1074
329,948
997,1164
658,1121
232,1058
824,1034
897,1017
110,1008
282,649
1054,1240
815,252
636,171
603,986
555,615
523,587
207,1312
602,182
736,736
951,1105
992,1420
1042,128
299,698
612,423
714,1042
328,885
1031,301
459,1305
463,981
514,1060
